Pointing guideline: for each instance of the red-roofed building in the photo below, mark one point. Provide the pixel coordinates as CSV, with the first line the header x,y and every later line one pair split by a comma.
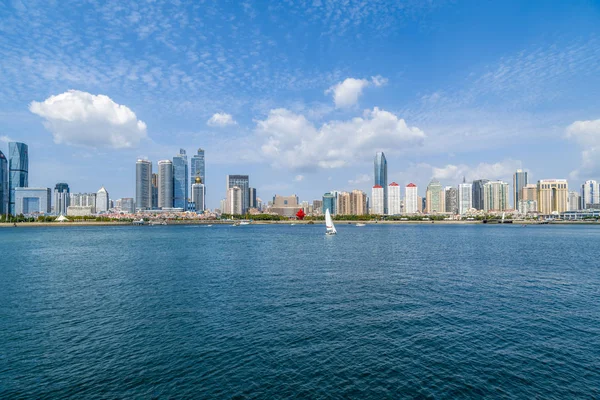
x,y
411,199
377,200
394,199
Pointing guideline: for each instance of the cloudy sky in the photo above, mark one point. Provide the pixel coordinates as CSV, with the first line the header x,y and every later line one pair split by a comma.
x,y
301,94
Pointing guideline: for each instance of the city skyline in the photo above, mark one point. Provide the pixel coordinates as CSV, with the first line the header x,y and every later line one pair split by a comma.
x,y
298,112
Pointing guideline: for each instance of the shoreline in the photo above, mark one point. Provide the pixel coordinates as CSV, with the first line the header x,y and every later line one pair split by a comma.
x,y
192,222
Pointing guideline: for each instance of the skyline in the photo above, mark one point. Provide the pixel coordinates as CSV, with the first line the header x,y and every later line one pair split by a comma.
x,y
302,110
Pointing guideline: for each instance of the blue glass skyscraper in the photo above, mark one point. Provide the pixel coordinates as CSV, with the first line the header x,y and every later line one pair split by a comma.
x,y
329,202
3,184
198,167
180,180
380,177
18,170
243,182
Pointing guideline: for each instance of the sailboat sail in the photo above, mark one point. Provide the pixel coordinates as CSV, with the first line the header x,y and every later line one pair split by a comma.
x,y
329,224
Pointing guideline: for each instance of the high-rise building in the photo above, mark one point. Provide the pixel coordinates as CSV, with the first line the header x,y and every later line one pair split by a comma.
x,y
329,203
154,191
451,199
18,170
62,198
378,198
394,199
143,185
495,196
553,196
527,206
590,194
411,201
198,195
380,177
83,200
243,183
477,198
465,197
574,201
253,203
102,200
317,206
180,180
235,201
519,182
32,200
343,204
3,184
434,197
358,203
126,205
198,167
165,184
529,192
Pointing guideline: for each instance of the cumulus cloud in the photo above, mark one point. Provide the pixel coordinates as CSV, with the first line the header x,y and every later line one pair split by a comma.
x,y
346,93
587,135
290,140
299,178
221,120
5,139
82,119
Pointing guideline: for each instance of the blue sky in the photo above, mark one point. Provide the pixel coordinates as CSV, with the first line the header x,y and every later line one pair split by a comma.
x,y
300,95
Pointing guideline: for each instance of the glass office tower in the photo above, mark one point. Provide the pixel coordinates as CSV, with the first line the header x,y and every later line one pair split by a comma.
x,y
380,176
180,180
18,170
3,184
243,182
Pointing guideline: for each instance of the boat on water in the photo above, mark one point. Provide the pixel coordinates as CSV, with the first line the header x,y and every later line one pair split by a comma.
x,y
361,224
152,223
244,222
208,226
330,228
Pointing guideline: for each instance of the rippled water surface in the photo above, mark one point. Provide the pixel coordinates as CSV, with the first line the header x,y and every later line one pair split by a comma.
x,y
284,311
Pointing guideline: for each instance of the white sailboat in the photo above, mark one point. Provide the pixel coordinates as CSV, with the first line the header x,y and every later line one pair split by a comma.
x,y
329,224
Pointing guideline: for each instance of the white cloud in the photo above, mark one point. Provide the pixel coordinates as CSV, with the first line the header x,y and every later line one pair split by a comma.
x,y
379,80
587,135
5,139
290,140
221,119
346,93
362,178
83,119
455,173
299,178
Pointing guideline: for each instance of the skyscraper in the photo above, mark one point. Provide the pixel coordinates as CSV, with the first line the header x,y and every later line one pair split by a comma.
x,y
378,198
154,191
519,181
344,204
198,195
243,183
529,192
411,201
434,197
553,196
198,167
394,205
234,201
478,193
165,184
329,203
180,180
465,197
3,184
495,196
102,200
143,185
574,201
590,194
62,198
451,199
253,203
18,170
358,203
380,177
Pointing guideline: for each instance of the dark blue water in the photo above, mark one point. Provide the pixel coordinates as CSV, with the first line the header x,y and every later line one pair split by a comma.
x,y
281,311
